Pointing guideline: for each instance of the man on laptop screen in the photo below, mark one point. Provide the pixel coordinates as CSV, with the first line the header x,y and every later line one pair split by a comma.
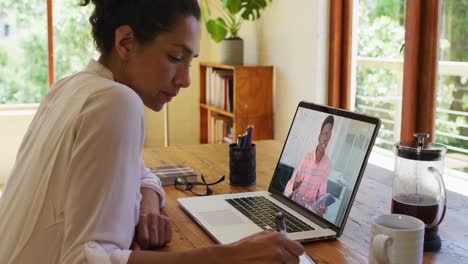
x,y
327,158
309,181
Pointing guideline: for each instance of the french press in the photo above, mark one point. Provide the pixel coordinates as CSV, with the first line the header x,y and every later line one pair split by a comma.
x,y
418,187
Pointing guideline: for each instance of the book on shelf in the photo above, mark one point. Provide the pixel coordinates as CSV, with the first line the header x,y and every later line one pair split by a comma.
x,y
168,174
220,128
219,88
227,140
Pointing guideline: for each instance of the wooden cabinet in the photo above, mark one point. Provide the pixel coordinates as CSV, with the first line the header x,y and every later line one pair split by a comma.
x,y
250,102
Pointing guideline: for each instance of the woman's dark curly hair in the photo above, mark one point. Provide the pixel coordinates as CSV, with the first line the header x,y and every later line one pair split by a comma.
x,y
147,18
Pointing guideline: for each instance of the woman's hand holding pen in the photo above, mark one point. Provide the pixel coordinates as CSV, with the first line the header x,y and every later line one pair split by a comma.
x,y
265,247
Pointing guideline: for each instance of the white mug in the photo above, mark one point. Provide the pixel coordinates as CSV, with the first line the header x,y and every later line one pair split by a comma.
x,y
395,239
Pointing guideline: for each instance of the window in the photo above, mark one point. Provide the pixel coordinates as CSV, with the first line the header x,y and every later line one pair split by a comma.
x,y
23,53
24,48
73,43
394,71
6,30
451,126
378,77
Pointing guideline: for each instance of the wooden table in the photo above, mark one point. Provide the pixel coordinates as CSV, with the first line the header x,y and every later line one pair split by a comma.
x,y
374,197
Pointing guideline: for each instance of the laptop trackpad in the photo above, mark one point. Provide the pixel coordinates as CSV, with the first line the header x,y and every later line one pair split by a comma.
x,y
221,217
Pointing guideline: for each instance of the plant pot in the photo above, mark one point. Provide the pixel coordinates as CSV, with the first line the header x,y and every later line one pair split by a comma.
x,y
232,51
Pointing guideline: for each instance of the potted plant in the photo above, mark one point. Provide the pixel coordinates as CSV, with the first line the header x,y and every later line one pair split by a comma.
x,y
225,28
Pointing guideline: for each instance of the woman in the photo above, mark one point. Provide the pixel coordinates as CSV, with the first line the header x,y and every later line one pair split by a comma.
x,y
309,181
79,192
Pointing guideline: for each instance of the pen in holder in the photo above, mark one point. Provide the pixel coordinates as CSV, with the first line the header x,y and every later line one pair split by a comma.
x,y
242,168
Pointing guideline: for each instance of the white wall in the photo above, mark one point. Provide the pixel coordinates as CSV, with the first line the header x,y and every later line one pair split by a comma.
x,y
293,36
13,126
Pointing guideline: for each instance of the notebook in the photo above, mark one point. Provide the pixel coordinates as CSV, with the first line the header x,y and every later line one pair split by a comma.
x,y
168,174
320,162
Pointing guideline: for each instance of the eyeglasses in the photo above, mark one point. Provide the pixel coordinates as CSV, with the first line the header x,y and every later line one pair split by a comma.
x,y
198,188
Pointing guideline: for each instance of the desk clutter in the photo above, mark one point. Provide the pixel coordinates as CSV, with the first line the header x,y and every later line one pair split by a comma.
x,y
168,174
242,160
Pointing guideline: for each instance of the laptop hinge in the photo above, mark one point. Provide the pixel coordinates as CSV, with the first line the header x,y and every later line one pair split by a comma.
x,y
302,211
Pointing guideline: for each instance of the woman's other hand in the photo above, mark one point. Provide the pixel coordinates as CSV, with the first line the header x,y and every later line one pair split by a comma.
x,y
265,247
153,230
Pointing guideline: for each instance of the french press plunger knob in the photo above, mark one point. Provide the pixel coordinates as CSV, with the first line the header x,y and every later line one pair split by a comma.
x,y
421,137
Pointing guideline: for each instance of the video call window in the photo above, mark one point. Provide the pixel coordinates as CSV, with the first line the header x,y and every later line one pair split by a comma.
x,y
321,161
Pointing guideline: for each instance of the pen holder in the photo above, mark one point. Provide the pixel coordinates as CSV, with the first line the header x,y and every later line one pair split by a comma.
x,y
242,169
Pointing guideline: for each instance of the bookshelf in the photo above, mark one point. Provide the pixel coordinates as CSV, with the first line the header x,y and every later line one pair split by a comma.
x,y
233,97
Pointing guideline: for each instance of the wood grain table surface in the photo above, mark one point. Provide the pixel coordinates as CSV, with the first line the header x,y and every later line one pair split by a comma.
x,y
373,198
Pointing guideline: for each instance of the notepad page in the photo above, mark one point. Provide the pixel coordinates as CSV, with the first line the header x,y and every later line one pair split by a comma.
x,y
305,259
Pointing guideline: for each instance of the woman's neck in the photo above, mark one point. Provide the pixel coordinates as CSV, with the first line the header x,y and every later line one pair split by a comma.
x,y
114,65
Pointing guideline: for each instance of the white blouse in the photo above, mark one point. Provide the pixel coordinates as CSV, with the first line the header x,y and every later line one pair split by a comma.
x,y
74,193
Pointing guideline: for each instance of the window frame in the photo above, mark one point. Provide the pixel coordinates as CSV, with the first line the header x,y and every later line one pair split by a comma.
x,y
50,44
339,53
420,68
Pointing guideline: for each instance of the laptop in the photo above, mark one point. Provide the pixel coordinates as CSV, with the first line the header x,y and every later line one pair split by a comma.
x,y
314,184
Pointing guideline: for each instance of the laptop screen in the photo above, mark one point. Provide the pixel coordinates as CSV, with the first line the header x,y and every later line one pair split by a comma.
x,y
322,158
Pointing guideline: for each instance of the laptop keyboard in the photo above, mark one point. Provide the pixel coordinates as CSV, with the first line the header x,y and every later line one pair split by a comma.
x,y
263,211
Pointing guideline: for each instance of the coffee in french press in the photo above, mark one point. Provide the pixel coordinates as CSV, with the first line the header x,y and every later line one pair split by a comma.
x,y
418,186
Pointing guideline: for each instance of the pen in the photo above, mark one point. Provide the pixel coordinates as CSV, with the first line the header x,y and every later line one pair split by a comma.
x,y
251,135
280,224
239,141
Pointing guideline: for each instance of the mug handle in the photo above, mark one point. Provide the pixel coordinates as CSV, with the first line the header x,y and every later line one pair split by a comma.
x,y
379,248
